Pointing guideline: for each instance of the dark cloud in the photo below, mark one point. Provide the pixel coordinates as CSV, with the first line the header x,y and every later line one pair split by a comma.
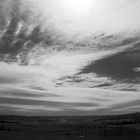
x,y
6,80
20,31
19,101
20,93
120,66
10,110
11,91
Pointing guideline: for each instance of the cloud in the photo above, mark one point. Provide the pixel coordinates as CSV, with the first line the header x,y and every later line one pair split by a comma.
x,y
33,88
35,79
106,16
68,100
89,80
121,66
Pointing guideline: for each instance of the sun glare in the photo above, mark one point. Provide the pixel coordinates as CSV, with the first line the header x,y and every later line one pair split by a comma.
x,y
79,7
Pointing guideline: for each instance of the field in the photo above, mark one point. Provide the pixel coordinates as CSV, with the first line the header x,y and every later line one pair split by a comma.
x,y
120,127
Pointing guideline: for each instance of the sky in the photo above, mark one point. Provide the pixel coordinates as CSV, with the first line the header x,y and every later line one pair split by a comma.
x,y
69,57
92,15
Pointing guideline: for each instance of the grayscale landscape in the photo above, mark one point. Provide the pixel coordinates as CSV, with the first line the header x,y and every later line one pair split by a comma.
x,y
69,69
121,127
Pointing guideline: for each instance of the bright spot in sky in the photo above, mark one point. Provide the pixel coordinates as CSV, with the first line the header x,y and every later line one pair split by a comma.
x,y
83,18
78,7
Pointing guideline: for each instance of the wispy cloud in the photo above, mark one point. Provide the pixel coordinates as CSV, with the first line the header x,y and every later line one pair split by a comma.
x,y
35,87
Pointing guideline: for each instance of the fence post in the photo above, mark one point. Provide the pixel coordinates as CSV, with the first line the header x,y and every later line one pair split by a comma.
x,y
85,127
104,130
99,130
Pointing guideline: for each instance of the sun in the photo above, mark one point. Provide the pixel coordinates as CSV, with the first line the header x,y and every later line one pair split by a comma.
x,y
77,7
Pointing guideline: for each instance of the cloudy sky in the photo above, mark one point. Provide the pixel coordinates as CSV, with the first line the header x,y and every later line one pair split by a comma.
x,y
69,57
